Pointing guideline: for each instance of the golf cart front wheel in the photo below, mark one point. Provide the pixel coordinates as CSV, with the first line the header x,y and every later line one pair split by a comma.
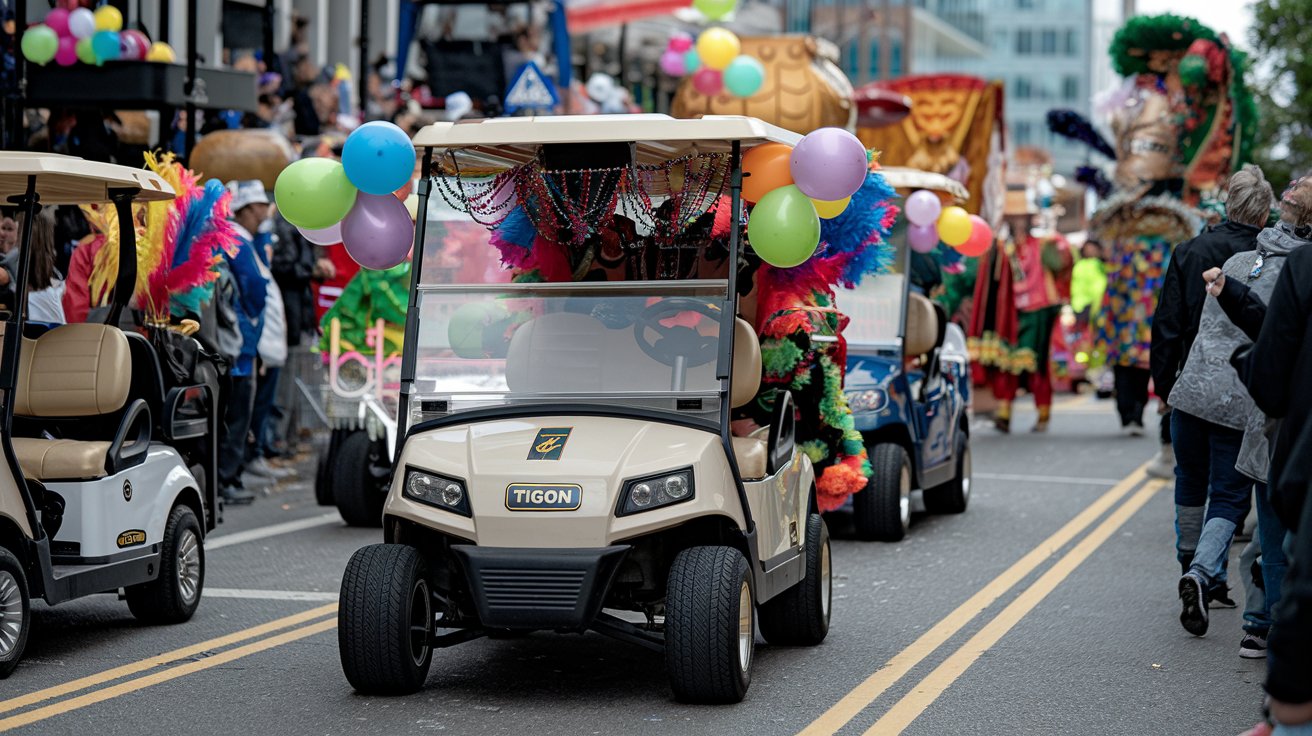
x,y
710,625
174,596
800,615
15,612
882,510
385,620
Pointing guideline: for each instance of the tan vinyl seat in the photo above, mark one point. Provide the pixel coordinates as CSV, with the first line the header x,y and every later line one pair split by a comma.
x,y
77,370
751,452
922,326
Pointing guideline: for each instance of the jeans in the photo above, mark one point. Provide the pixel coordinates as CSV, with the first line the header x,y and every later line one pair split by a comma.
x,y
1303,729
236,425
1164,427
1131,385
1270,541
266,395
1205,475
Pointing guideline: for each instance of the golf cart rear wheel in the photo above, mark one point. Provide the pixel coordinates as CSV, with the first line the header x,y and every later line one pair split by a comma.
x,y
15,612
385,620
800,615
953,496
173,597
882,510
710,625
355,487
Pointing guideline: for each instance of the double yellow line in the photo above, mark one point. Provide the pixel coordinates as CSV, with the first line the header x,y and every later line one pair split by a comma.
x,y
298,626
925,692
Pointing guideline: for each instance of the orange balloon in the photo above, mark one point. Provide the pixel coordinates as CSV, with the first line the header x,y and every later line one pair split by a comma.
x,y
766,168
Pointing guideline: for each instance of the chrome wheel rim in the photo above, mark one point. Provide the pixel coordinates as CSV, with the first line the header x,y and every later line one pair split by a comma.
x,y
826,582
904,497
188,565
11,613
421,619
965,474
745,633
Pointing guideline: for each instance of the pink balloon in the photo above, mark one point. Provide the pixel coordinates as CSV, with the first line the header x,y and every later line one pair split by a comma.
x,y
133,45
378,232
67,53
922,238
331,235
829,164
680,42
672,63
923,207
709,82
57,19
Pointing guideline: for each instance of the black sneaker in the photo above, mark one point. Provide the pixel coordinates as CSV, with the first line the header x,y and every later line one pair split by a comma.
x,y
1193,604
1218,596
1252,647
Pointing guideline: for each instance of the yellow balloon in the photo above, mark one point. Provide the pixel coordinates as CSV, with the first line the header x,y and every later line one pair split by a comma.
x,y
716,47
830,210
412,206
108,18
954,226
160,51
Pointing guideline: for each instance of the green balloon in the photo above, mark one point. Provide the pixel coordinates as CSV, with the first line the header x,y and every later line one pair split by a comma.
x,y
40,42
714,9
467,332
784,228
314,193
85,53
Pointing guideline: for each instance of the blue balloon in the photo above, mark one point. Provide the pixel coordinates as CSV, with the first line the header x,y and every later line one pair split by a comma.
x,y
105,44
379,158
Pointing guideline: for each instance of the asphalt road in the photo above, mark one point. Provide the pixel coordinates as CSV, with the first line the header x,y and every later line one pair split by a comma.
x,y
1048,607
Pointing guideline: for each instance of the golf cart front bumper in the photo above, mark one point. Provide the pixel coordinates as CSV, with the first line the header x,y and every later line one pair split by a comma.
x,y
538,588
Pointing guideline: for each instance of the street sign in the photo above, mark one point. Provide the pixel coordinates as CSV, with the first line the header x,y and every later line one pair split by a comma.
x,y
530,90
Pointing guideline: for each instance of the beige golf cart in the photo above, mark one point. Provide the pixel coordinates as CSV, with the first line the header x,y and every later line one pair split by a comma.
x,y
102,458
566,460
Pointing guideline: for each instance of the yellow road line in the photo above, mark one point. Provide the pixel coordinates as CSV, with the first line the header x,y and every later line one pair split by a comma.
x,y
182,670
148,663
914,703
903,662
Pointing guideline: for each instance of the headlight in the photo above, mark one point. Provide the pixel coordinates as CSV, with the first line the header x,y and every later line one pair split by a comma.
x,y
436,490
645,494
874,399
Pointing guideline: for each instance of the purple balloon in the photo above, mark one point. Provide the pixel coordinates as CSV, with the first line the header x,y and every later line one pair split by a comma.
x,y
331,235
829,164
923,207
922,238
672,63
378,232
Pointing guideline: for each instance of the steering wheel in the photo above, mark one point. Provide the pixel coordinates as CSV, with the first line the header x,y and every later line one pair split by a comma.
x,y
678,341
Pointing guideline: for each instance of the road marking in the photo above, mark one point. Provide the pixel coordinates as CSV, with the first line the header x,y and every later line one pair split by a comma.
x,y
914,703
273,530
1063,479
270,595
173,673
149,663
904,661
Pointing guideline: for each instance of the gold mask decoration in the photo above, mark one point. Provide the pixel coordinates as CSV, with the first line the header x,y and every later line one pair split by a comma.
x,y
1147,138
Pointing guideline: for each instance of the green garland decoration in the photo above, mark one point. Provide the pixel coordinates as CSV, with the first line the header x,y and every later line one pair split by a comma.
x,y
1145,33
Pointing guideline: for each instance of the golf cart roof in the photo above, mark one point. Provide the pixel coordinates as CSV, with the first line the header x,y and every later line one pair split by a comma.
x,y
493,145
72,180
906,179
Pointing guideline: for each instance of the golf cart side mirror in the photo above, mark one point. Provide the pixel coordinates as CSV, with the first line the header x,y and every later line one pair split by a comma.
x,y
783,433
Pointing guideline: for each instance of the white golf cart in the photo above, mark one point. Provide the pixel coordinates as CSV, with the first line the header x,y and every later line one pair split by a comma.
x,y
566,460
103,458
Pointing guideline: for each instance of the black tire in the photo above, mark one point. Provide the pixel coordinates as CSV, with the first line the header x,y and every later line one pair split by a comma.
x,y
359,494
323,487
953,497
799,616
706,659
385,620
881,511
174,596
15,612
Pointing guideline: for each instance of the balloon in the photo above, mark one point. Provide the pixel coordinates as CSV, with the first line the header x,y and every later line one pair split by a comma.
x,y
717,47
954,226
829,164
922,238
331,235
714,9
139,42
161,52
680,42
57,20
709,82
314,193
85,53
412,207
40,44
783,227
82,23
981,237
467,332
108,18
744,76
830,210
691,61
923,207
378,232
672,63
67,53
765,169
106,46
379,158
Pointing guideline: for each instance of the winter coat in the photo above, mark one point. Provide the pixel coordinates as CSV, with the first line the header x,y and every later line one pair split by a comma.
x,y
1180,306
244,293
1289,672
293,268
273,338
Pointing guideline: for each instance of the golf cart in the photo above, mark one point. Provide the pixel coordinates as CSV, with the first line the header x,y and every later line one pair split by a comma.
x,y
566,460
908,384
107,479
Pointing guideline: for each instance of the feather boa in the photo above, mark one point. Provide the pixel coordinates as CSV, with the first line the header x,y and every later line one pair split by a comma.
x,y
1072,125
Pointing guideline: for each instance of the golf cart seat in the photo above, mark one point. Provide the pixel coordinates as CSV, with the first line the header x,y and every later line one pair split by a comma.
x,y
922,326
751,452
78,371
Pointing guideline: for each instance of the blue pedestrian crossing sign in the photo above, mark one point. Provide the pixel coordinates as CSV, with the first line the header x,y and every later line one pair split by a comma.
x,y
530,90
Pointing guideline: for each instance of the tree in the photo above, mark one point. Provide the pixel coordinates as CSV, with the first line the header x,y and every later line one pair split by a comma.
x,y
1281,39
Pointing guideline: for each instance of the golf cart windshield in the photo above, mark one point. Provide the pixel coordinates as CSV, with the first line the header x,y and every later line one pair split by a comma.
x,y
875,305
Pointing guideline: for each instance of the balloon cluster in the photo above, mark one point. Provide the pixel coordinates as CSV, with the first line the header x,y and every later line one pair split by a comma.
x,y
792,188
353,202
930,222
70,36
716,63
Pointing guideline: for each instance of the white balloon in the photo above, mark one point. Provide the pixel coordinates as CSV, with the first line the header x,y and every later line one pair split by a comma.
x,y
82,23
